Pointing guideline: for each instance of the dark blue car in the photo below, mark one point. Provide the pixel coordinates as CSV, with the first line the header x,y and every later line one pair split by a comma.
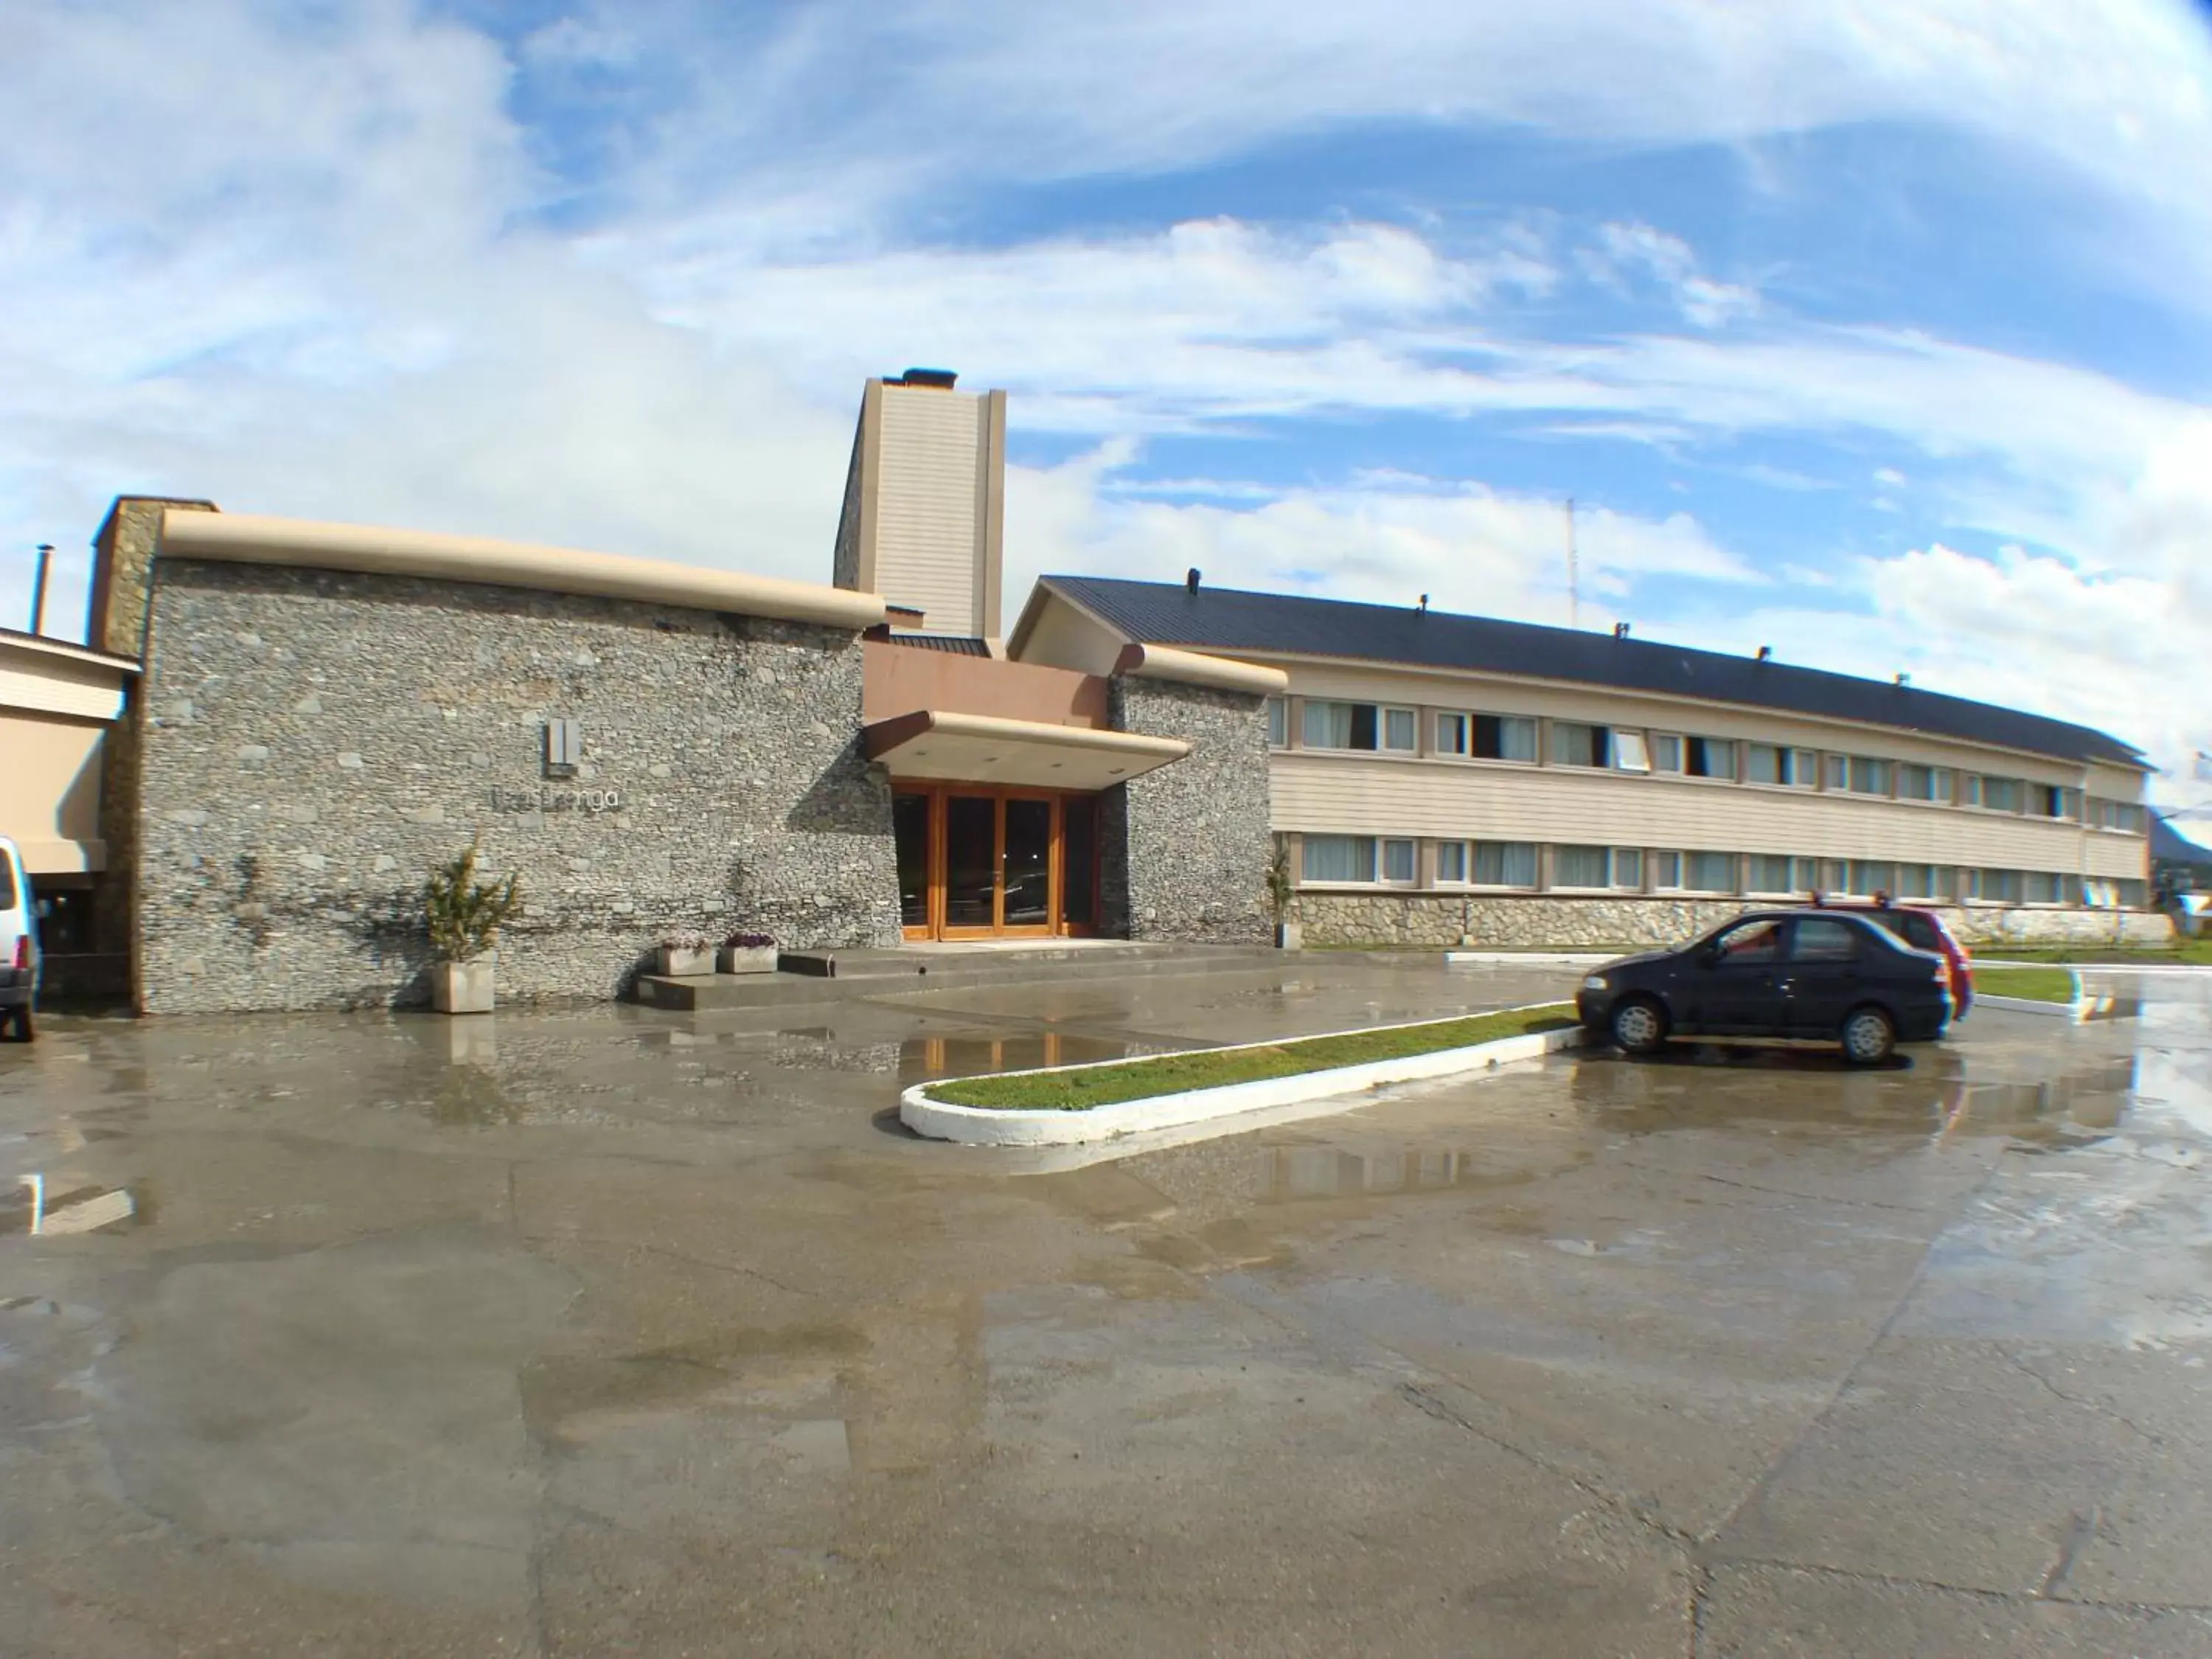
x,y
1825,976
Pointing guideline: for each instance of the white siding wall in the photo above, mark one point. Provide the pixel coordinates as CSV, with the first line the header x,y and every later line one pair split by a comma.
x,y
1358,793
927,533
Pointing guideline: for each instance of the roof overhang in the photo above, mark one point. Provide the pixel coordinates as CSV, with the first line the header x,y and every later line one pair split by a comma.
x,y
246,538
931,743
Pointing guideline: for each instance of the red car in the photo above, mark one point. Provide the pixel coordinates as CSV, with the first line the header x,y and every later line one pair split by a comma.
x,y
1923,930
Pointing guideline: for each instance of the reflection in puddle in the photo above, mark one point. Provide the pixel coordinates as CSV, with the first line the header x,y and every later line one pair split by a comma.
x,y
2078,1109
1298,1172
963,1056
38,1206
2114,1008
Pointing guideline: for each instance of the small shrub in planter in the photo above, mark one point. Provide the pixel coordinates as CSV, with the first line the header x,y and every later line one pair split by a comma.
x,y
747,953
685,953
463,916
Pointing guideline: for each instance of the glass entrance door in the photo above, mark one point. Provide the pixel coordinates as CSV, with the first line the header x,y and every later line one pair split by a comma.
x,y
977,863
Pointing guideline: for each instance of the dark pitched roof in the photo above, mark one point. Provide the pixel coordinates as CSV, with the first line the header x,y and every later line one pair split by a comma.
x,y
2169,846
959,645
1229,619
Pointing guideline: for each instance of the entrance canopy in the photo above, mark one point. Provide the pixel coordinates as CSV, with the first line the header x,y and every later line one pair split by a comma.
x,y
931,743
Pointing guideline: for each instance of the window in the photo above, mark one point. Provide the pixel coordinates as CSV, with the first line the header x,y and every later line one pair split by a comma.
x,y
1824,938
1709,757
1870,877
1867,775
1338,858
1398,725
2050,801
1995,886
1804,875
2038,887
1994,794
1398,861
2131,891
1581,866
1576,744
1838,773
1835,876
1667,870
1628,867
1767,763
1769,873
1339,725
1278,722
1451,861
1629,753
1709,872
1505,737
1923,783
1750,942
1666,752
1506,864
1918,881
2122,815
1451,734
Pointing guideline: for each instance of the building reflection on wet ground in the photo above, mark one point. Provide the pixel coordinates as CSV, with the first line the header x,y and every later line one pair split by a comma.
x,y
604,1331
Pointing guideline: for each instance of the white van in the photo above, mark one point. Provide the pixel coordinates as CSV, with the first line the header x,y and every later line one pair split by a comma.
x,y
18,944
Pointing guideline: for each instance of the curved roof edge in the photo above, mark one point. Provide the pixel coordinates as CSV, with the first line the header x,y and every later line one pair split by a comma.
x,y
252,538
1162,662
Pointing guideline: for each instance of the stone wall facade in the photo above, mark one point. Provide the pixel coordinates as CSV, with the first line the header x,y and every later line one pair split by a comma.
x,y
1507,921
1187,847
312,743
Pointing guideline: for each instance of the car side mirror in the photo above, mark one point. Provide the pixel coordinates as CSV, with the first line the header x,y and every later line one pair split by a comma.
x,y
1710,957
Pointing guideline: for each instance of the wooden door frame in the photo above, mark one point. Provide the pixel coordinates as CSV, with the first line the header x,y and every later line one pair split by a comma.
x,y
937,860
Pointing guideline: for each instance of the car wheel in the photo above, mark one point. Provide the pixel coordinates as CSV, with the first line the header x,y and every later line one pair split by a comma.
x,y
1639,1026
1868,1036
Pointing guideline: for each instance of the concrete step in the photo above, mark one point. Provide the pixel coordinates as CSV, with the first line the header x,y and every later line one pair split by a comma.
x,y
880,973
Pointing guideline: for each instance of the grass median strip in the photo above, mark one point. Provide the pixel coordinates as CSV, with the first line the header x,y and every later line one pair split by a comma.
x,y
1078,1087
2034,984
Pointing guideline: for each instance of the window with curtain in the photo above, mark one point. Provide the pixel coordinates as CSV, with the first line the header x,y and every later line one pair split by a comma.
x,y
1869,776
1338,858
1666,752
1278,722
1872,876
1506,864
1451,860
1574,743
1628,866
1398,726
1339,725
1709,757
1398,861
1709,872
1580,867
1505,737
1769,873
1667,870
1451,734
1763,763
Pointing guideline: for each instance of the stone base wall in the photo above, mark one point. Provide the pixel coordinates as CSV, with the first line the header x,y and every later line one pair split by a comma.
x,y
1187,847
312,743
1494,922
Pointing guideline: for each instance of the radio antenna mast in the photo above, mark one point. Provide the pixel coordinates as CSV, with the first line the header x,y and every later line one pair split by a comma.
x,y
1574,572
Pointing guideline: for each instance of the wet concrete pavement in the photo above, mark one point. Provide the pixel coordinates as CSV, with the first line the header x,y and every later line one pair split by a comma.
x,y
617,1332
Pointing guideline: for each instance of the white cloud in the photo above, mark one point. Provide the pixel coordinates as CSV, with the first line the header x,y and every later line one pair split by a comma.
x,y
1668,259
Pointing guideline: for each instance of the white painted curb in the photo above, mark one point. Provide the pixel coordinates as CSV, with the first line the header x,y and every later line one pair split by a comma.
x,y
2076,1011
1529,959
982,1125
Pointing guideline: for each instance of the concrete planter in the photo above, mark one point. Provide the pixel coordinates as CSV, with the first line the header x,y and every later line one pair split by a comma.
x,y
1290,936
680,962
463,987
745,959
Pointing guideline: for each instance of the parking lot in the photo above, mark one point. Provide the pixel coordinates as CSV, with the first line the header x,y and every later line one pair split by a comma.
x,y
609,1331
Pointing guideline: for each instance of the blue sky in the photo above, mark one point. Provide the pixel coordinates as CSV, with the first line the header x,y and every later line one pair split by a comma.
x,y
1881,333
